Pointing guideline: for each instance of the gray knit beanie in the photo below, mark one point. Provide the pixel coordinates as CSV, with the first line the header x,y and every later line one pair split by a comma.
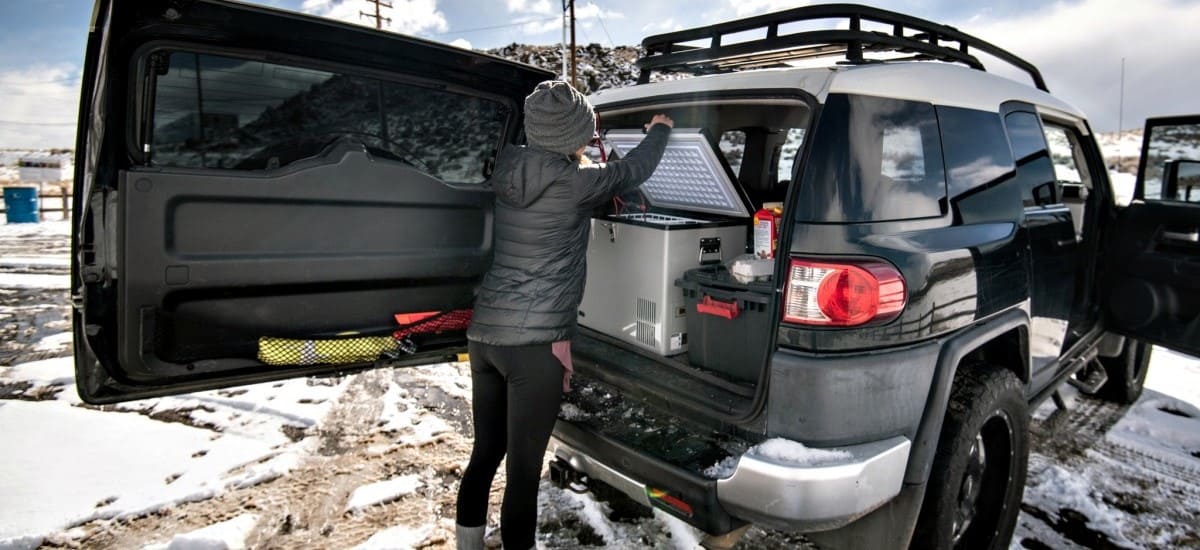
x,y
558,118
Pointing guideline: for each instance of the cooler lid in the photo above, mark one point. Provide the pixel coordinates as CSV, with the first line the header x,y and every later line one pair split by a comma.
x,y
690,176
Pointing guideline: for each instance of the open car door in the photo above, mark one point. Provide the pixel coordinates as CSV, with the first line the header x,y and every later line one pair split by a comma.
x,y
1152,249
258,193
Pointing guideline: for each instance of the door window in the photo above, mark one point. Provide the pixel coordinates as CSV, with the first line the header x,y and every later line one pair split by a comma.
x,y
1035,170
1067,166
1171,165
213,111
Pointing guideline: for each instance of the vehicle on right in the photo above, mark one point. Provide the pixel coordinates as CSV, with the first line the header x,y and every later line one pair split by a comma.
x,y
950,252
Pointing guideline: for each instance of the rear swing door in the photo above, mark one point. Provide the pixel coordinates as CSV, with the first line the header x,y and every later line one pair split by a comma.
x,y
259,193
1151,285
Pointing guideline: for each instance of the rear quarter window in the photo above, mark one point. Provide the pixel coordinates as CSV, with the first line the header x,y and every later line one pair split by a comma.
x,y
873,159
222,112
976,147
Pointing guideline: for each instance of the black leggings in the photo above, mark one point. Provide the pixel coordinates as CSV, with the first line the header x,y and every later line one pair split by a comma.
x,y
516,392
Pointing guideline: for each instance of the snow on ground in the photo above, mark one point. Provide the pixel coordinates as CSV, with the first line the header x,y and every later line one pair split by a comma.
x,y
400,537
1117,477
103,465
34,280
59,228
226,535
382,492
140,457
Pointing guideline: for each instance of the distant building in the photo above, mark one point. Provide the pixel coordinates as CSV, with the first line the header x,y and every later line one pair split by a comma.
x,y
45,166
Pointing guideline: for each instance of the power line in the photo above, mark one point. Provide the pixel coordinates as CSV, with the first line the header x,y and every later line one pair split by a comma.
x,y
600,16
493,27
28,82
25,123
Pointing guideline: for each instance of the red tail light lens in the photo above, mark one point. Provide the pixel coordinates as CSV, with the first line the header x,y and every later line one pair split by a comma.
x,y
842,293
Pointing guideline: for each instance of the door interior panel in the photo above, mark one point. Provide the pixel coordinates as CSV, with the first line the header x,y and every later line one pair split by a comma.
x,y
212,261
1153,279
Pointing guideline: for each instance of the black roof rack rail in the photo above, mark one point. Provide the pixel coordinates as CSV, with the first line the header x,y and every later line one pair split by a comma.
x,y
924,39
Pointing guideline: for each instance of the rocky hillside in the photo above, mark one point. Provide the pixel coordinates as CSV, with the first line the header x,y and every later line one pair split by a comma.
x,y
600,67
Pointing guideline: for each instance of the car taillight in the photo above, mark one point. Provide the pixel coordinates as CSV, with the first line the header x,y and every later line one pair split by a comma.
x,y
842,293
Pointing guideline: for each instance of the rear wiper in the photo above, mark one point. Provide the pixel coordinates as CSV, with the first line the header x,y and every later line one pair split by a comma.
x,y
399,153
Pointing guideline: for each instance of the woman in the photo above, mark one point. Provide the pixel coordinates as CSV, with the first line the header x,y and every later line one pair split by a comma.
x,y
527,304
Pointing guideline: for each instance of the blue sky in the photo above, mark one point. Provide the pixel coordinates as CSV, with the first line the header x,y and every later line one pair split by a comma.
x,y
1078,44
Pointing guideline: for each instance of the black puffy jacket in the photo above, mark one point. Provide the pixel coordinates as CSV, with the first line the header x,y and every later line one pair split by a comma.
x,y
544,200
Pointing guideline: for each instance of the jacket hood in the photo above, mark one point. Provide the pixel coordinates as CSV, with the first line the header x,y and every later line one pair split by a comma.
x,y
523,173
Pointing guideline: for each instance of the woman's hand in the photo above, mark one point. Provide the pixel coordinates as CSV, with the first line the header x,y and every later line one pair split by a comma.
x,y
661,119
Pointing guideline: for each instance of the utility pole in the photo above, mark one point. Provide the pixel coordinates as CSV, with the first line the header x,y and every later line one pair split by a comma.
x,y
1121,114
564,39
574,65
377,16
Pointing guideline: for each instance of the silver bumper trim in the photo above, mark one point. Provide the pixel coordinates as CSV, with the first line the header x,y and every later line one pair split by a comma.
x,y
600,472
816,498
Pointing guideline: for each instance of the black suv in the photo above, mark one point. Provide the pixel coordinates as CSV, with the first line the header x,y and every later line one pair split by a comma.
x,y
258,193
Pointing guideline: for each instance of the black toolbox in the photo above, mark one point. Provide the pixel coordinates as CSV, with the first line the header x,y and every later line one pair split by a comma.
x,y
728,322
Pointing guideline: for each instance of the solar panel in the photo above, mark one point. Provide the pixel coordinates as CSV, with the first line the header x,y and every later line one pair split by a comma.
x,y
690,177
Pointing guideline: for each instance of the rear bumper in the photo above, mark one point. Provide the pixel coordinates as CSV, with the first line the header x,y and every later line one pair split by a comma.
x,y
763,491
816,498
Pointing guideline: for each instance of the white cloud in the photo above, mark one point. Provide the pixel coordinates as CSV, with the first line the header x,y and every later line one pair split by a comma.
x,y
668,24
406,16
461,43
585,13
754,7
542,7
592,11
539,27
40,105
1078,48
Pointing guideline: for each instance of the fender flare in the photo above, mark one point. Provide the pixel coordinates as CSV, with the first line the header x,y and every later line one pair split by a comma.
x,y
954,349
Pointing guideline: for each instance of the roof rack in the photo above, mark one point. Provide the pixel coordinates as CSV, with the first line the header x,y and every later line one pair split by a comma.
x,y
926,40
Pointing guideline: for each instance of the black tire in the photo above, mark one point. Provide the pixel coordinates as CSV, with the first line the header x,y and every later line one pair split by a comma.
x,y
1126,373
987,405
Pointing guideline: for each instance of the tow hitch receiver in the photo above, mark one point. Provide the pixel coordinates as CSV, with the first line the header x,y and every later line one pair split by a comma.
x,y
566,477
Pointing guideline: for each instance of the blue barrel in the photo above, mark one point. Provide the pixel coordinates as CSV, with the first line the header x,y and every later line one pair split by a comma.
x,y
21,204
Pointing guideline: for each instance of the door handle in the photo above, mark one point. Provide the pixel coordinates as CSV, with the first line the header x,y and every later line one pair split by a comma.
x,y
1184,236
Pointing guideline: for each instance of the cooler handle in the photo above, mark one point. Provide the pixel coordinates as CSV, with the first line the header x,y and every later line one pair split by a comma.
x,y
709,306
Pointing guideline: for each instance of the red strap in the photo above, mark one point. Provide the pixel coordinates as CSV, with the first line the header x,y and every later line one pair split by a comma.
x,y
410,318
709,306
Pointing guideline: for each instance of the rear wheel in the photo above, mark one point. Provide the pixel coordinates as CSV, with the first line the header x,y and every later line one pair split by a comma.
x,y
974,491
1126,373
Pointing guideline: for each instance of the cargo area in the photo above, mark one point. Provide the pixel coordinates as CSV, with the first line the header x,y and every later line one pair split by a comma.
x,y
680,303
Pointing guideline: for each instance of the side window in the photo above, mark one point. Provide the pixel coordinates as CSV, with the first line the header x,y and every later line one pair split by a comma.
x,y
733,146
873,159
1067,168
213,111
1034,167
976,148
788,152
1171,169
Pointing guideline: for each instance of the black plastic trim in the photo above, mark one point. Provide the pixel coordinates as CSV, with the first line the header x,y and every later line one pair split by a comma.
x,y
843,399
954,349
700,493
